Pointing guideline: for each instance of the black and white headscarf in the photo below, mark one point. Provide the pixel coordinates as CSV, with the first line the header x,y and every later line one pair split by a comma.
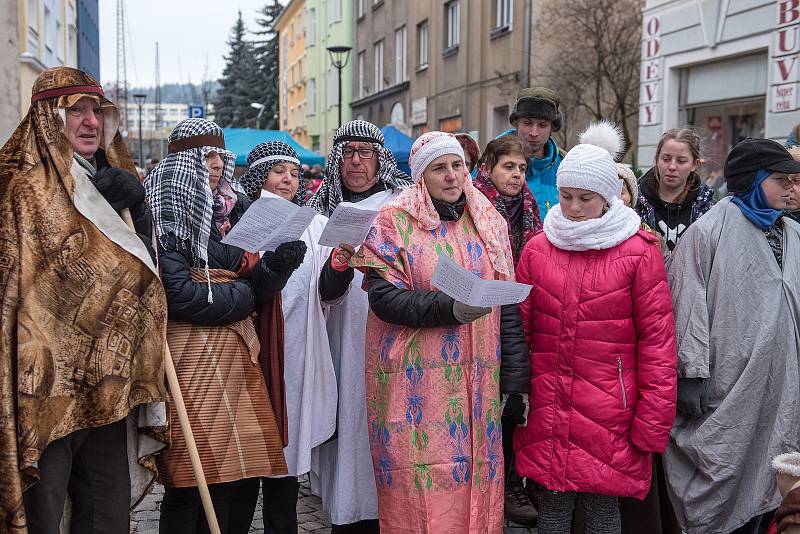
x,y
179,195
329,193
260,161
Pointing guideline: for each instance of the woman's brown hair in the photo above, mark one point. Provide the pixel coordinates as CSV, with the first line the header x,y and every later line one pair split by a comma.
x,y
691,139
504,146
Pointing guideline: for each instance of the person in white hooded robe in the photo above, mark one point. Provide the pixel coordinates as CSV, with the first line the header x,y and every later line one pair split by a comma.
x,y
359,169
308,375
735,281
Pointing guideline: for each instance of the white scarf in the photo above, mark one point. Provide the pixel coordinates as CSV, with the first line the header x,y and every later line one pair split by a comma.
x,y
615,226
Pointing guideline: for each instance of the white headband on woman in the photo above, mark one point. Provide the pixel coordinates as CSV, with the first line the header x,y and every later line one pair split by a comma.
x,y
275,157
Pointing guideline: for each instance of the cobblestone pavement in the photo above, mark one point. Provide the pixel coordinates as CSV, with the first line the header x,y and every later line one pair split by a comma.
x,y
311,519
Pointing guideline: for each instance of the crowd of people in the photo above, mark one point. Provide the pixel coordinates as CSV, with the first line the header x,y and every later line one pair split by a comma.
x,y
645,384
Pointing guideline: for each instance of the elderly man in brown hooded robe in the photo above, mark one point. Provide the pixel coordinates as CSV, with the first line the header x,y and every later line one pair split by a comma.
x,y
82,330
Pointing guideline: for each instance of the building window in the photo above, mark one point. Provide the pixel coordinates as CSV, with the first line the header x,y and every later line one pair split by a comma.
x,y
361,8
311,30
378,64
504,11
452,24
334,11
422,43
400,55
312,96
362,83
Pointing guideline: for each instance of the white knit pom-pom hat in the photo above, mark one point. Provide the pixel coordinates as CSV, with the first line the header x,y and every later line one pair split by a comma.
x,y
590,165
430,146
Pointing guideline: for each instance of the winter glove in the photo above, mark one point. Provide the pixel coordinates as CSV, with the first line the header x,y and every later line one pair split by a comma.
x,y
692,400
516,409
465,313
286,258
119,187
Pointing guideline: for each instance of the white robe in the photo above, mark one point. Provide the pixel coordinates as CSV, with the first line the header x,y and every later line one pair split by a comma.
x,y
309,375
342,473
736,319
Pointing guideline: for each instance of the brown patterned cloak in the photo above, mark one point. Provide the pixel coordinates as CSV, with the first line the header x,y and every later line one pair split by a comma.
x,y
82,314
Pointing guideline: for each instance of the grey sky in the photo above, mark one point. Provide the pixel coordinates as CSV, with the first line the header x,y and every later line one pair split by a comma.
x,y
188,32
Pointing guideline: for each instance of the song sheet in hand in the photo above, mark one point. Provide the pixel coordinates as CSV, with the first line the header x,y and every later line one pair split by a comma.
x,y
463,285
268,222
347,224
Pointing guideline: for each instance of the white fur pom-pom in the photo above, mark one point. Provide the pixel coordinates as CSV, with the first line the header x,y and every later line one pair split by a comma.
x,y
604,134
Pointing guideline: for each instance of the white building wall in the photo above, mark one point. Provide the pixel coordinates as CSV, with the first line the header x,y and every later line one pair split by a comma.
x,y
680,34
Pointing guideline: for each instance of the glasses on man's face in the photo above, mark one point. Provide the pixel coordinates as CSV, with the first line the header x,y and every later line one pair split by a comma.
x,y
363,153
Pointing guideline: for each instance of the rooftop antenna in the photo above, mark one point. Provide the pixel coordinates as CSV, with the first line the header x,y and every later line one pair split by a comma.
x,y
158,126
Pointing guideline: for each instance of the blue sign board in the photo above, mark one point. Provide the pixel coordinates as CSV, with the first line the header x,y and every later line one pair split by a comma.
x,y
197,112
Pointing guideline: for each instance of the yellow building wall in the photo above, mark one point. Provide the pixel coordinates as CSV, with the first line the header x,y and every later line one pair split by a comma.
x,y
291,29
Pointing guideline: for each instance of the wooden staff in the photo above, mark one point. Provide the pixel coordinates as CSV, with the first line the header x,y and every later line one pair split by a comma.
x,y
183,418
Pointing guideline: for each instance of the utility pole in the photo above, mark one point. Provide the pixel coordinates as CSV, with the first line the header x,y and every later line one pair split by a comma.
x,y
527,30
122,74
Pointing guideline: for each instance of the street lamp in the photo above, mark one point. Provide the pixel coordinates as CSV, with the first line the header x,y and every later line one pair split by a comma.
x,y
139,99
260,107
339,56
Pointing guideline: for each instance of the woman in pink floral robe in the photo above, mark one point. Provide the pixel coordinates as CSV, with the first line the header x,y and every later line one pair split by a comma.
x,y
436,367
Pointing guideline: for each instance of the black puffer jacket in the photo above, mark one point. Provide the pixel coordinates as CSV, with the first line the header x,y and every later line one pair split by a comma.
x,y
428,309
188,300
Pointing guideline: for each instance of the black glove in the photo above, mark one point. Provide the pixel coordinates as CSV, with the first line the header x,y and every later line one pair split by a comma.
x,y
119,187
692,401
286,258
464,313
515,409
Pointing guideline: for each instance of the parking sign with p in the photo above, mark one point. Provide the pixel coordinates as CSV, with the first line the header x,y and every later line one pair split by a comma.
x,y
197,112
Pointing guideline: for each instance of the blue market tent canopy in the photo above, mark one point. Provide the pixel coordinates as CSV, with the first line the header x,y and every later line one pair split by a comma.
x,y
399,144
241,141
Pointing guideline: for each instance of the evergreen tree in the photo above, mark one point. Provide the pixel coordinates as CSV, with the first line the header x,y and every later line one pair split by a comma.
x,y
232,107
264,80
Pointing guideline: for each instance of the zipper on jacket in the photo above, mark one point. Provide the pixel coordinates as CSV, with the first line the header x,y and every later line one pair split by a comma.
x,y
622,383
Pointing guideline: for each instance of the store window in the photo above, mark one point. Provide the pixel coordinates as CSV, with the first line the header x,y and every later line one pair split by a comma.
x,y
450,124
725,102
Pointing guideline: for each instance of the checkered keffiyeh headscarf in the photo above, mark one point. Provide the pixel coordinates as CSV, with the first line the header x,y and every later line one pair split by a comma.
x,y
260,161
179,194
329,194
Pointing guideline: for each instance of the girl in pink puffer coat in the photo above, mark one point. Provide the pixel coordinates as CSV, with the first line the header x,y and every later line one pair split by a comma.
x,y
600,326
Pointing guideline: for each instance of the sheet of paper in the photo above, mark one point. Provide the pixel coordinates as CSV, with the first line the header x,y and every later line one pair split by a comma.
x,y
463,285
347,224
268,222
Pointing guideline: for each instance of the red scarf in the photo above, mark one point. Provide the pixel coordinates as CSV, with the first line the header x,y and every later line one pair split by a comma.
x,y
531,222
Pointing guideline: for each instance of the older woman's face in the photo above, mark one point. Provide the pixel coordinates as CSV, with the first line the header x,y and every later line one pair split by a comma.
x,y
283,180
508,174
444,178
215,166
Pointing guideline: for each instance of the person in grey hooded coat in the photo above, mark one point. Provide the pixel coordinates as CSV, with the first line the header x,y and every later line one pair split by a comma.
x,y
735,280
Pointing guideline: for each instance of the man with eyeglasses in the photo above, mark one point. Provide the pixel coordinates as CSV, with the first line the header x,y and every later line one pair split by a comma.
x,y
83,317
359,169
735,281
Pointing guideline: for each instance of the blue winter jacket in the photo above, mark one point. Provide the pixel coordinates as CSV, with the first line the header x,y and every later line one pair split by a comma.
x,y
541,175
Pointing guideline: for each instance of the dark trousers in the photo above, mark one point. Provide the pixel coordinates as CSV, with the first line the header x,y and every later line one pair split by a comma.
x,y
234,504
279,496
90,465
757,525
370,526
508,444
